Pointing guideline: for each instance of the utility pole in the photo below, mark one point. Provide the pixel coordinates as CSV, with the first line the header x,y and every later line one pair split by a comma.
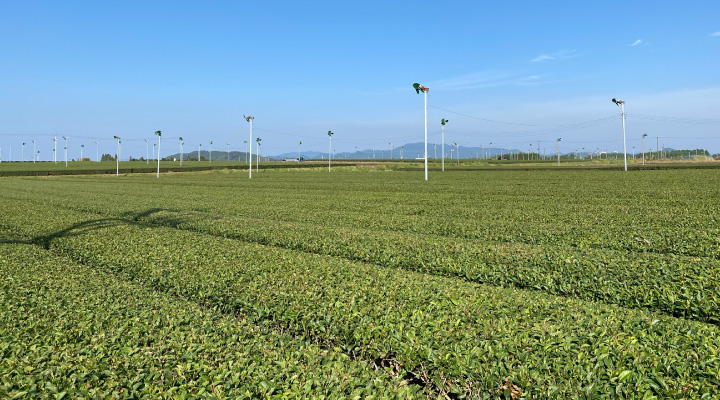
x,y
418,88
181,150
97,152
55,150
147,151
228,146
330,133
250,120
117,156
35,153
66,147
457,146
443,122
159,134
657,147
643,148
622,106
257,156
558,150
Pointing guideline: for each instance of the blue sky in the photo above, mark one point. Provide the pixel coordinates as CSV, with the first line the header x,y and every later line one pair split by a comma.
x,y
91,70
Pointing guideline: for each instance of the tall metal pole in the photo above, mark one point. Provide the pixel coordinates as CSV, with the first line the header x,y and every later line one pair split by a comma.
x,y
181,150
622,106
210,153
457,146
426,158
330,133
443,122
228,146
66,147
392,151
558,150
250,120
35,154
643,148
257,156
147,151
117,156
55,150
82,147
159,134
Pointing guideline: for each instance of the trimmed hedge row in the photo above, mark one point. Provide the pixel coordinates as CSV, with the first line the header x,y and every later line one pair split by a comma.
x,y
457,337
71,331
682,286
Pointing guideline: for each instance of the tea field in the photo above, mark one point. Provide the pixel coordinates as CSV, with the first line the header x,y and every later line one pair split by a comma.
x,y
359,284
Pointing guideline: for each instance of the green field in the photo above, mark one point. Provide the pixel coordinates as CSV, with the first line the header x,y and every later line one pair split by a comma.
x,y
366,281
47,168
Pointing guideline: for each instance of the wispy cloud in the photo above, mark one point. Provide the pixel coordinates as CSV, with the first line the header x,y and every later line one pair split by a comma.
x,y
484,80
558,55
636,43
716,34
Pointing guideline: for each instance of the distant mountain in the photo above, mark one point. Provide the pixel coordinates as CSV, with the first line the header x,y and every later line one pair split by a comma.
x,y
406,151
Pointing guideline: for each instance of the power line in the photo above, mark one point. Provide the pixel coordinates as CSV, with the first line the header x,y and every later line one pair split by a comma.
x,y
679,120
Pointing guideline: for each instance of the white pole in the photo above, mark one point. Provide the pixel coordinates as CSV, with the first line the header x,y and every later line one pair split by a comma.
x,y
66,146
257,157
228,145
117,157
558,151
643,147
443,148
97,152
159,134
426,160
35,154
457,145
330,155
82,146
199,151
250,119
330,133
147,152
622,106
55,150
210,148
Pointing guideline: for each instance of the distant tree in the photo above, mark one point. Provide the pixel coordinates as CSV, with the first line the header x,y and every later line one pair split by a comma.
x,y
107,157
